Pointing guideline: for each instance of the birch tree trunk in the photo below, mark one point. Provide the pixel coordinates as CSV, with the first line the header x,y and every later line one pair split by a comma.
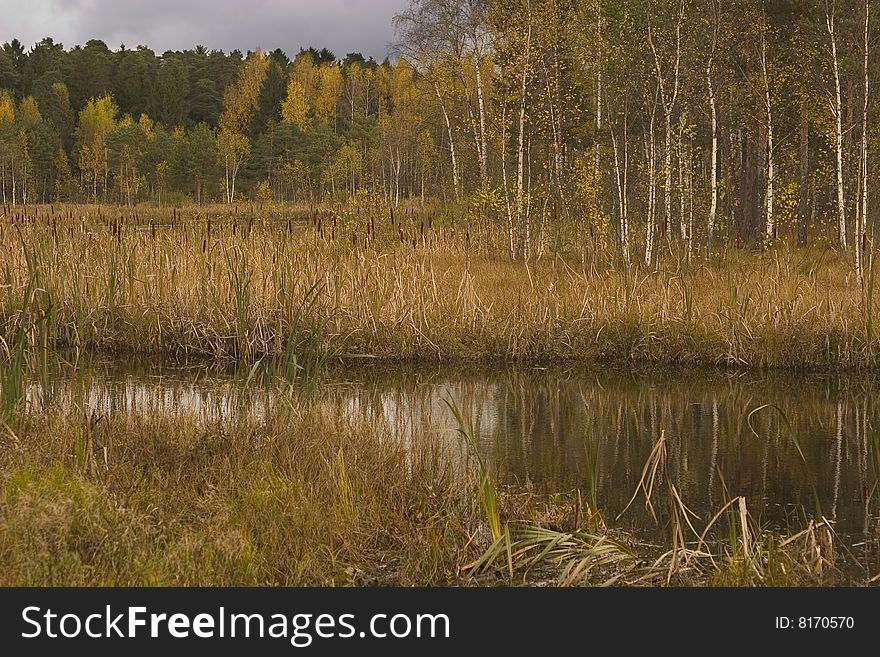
x,y
770,226
232,190
621,174
455,179
837,110
713,181
803,208
521,153
651,157
690,193
511,229
226,163
481,104
596,152
861,225
682,225
668,98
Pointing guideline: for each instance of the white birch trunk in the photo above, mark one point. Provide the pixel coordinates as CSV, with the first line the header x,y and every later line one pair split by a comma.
x,y
596,155
682,226
770,232
651,156
713,183
668,99
838,117
862,225
455,179
520,171
621,175
481,104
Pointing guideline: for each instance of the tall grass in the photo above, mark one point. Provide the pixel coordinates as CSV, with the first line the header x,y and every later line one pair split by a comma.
x,y
305,495
485,486
12,364
424,288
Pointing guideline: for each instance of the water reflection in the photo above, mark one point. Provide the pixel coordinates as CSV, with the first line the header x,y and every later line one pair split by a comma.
x,y
784,442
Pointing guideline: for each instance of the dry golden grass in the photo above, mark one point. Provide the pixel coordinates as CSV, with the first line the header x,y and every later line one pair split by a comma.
x,y
242,286
309,497
303,498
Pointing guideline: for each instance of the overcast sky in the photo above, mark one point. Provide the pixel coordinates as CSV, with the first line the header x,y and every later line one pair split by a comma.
x,y
343,26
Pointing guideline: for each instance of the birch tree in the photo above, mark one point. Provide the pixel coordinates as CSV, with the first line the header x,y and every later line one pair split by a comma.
x,y
862,214
423,38
522,215
770,219
668,98
240,104
837,113
710,62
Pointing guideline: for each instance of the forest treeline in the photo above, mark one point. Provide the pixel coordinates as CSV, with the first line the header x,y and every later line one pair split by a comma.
x,y
639,120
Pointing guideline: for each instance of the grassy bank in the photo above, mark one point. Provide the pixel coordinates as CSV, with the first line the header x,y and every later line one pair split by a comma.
x,y
307,497
420,286
304,498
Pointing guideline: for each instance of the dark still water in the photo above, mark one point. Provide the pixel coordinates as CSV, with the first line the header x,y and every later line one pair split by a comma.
x,y
783,441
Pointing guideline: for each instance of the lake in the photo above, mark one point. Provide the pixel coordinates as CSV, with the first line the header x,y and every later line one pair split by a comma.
x,y
787,442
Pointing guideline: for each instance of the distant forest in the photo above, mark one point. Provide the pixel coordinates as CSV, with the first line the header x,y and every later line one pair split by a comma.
x,y
632,118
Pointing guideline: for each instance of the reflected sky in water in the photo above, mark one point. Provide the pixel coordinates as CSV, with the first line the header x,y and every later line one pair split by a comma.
x,y
784,441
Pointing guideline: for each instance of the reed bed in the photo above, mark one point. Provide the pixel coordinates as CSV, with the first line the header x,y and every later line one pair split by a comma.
x,y
309,497
305,498
415,285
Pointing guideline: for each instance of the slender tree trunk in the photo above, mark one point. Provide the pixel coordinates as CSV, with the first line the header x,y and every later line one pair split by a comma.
x,y
621,174
650,155
668,98
861,226
106,172
481,104
682,225
235,166
397,179
837,110
596,151
713,206
226,163
455,180
667,175
690,193
770,226
521,154
511,229
803,207
478,145
713,182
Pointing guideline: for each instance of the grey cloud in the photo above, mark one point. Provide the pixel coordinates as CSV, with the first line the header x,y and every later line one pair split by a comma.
x,y
341,25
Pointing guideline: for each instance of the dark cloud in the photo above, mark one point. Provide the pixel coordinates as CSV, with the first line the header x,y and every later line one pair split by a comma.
x,y
341,25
